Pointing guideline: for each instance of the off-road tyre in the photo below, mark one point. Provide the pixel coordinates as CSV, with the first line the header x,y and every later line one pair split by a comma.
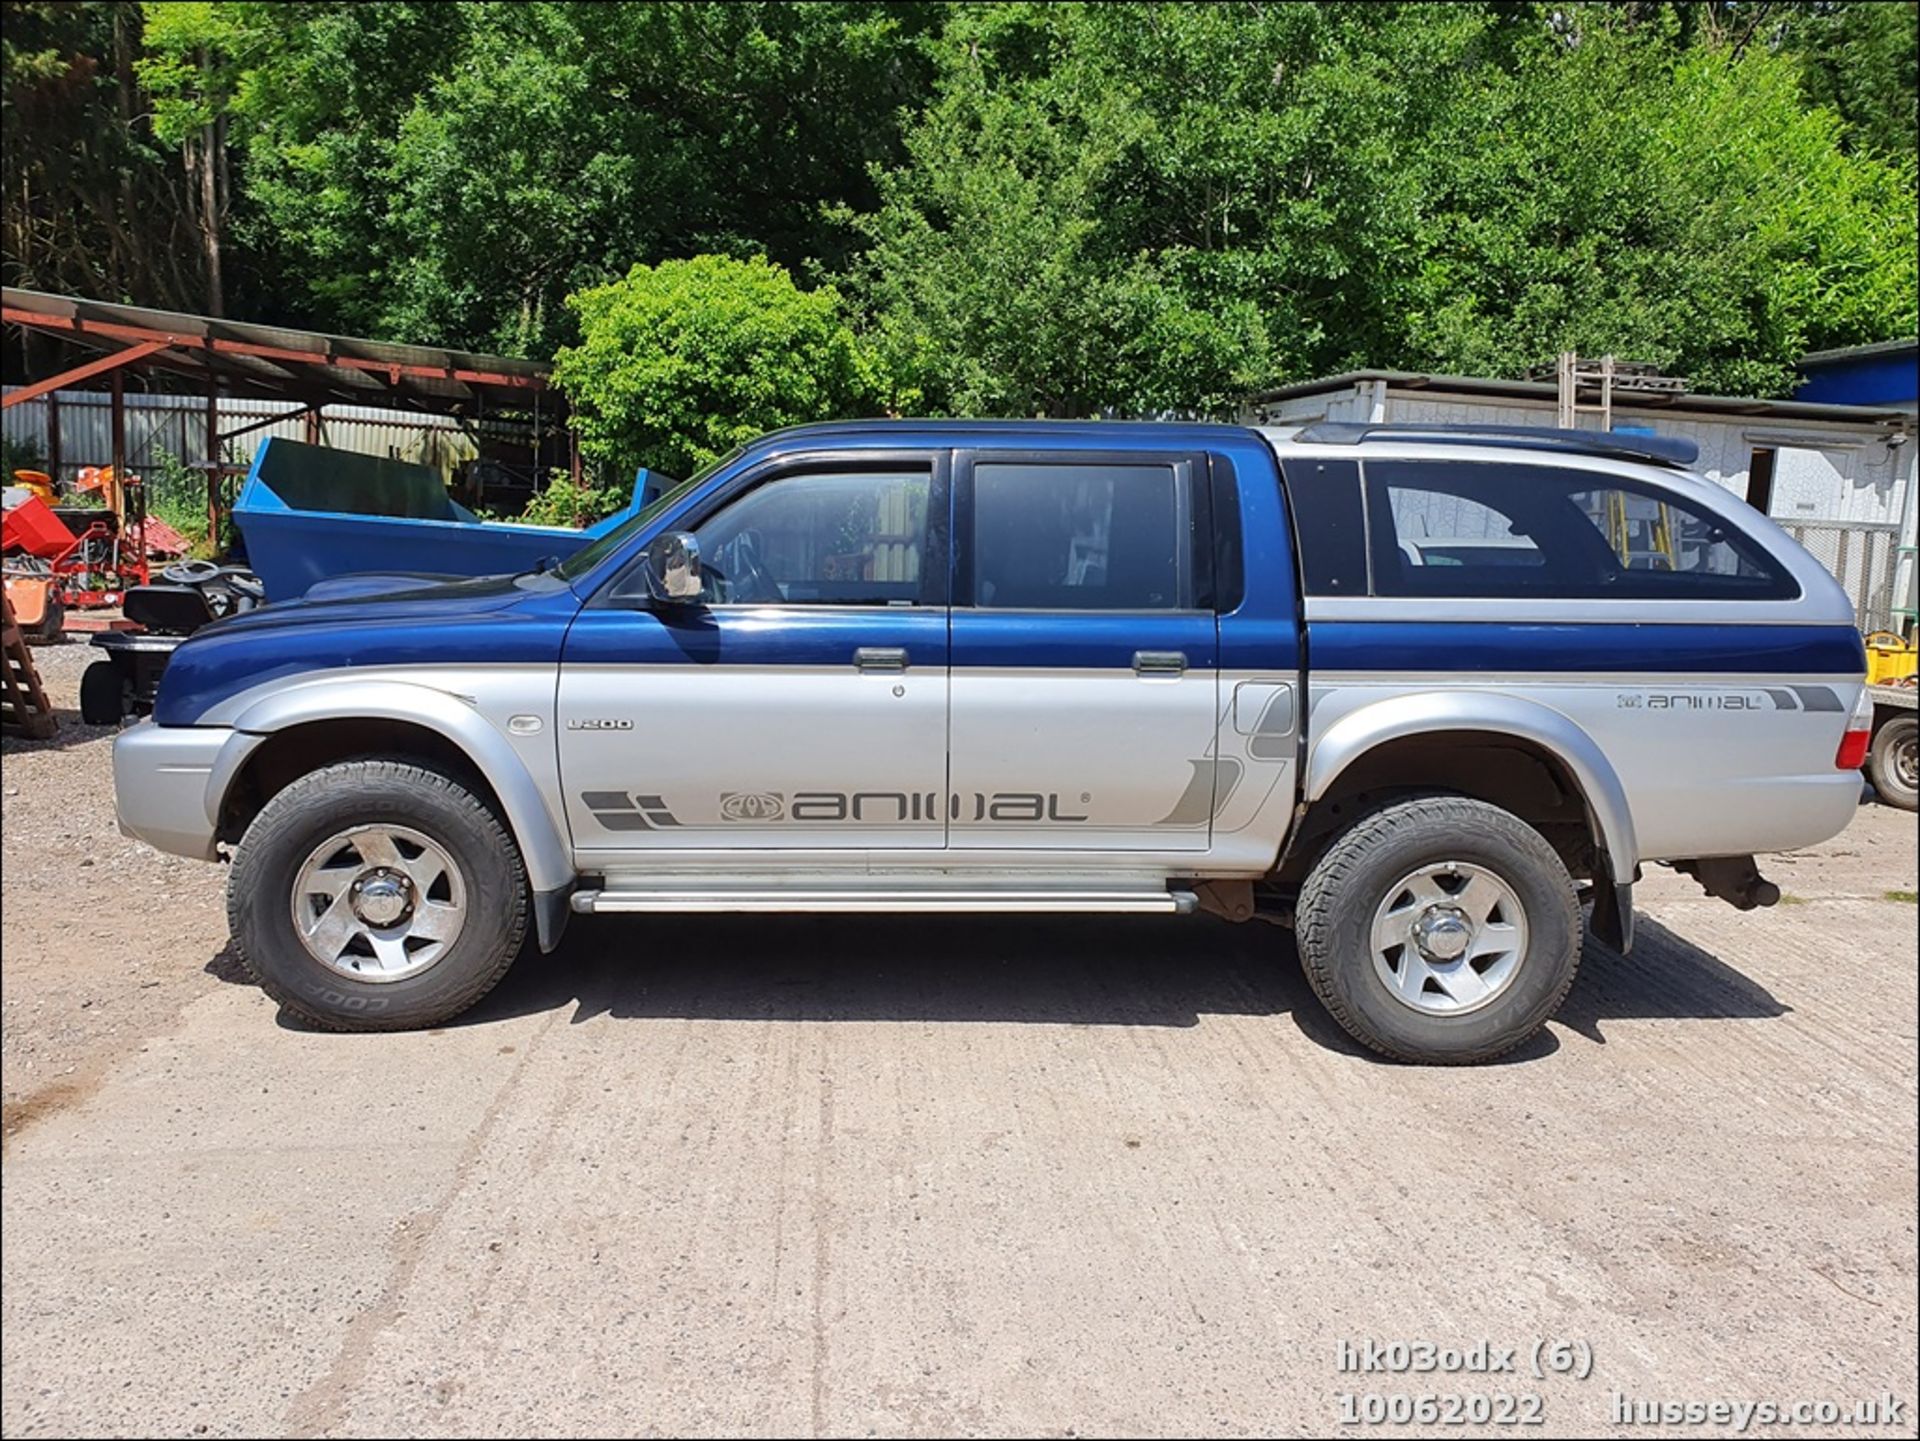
x,y
1353,879
357,793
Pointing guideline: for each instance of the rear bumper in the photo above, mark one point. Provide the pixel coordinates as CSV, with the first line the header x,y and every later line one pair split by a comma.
x,y
1755,816
162,785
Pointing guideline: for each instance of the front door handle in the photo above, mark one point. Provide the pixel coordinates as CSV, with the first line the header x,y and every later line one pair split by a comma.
x,y
1159,662
874,657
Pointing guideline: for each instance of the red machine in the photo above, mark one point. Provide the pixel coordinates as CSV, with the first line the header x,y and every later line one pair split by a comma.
x,y
78,555
109,552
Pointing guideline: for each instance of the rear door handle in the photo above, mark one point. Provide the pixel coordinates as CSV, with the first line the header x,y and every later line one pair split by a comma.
x,y
873,657
1159,662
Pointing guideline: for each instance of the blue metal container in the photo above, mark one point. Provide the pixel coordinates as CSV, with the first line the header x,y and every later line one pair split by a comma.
x,y
309,514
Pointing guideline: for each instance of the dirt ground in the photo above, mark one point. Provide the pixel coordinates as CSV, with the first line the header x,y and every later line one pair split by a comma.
x,y
875,1176
91,918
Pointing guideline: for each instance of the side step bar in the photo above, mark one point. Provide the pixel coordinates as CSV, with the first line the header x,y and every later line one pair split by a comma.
x,y
1151,902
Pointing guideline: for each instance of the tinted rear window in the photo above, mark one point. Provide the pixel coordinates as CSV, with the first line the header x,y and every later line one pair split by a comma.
x,y
1469,529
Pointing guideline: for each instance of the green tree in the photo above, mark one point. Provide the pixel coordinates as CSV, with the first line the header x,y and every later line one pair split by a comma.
x,y
1857,57
196,52
1056,209
92,204
1860,61
680,362
1608,194
1143,207
1150,207
449,172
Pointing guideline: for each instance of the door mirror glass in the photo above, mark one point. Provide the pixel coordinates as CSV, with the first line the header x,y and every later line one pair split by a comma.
x,y
673,567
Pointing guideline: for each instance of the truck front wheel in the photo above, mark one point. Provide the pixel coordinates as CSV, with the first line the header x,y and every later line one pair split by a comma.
x,y
376,895
1893,765
1440,930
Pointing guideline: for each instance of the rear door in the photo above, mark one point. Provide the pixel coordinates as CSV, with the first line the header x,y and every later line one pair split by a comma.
x,y
1084,689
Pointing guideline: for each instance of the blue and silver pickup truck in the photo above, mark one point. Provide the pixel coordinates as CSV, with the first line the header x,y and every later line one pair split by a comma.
x,y
1417,693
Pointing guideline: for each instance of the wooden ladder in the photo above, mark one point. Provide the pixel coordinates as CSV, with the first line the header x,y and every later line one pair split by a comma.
x,y
1575,373
24,708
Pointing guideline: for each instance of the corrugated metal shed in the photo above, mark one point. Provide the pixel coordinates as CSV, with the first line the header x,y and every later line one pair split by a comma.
x,y
177,426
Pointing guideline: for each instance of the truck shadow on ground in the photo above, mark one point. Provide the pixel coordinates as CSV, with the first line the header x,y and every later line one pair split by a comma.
x,y
1044,970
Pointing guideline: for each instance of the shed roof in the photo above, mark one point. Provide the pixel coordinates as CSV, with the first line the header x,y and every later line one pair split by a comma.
x,y
246,358
1875,351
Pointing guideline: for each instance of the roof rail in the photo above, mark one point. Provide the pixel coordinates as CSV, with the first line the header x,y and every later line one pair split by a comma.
x,y
1659,449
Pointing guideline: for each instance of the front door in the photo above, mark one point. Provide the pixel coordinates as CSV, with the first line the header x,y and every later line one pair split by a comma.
x,y
1085,679
801,703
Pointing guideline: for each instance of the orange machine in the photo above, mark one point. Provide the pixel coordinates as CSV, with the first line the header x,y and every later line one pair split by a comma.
x,y
72,556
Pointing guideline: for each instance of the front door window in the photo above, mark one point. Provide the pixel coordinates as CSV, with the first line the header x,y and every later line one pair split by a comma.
x,y
820,539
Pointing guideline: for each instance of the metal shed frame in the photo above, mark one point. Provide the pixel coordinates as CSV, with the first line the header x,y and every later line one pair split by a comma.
x,y
249,359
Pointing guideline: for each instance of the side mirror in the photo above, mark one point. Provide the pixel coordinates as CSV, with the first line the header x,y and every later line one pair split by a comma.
x,y
673,567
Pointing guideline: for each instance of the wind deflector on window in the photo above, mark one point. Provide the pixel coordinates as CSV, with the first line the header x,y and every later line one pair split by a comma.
x,y
1658,449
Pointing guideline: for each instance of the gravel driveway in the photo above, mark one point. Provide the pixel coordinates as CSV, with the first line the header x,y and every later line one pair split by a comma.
x,y
876,1176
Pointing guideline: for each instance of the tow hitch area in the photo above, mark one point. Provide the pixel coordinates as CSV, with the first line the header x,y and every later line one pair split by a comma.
x,y
1734,879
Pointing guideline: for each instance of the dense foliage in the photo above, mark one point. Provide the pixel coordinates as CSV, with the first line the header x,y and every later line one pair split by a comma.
x,y
1159,206
682,361
1016,208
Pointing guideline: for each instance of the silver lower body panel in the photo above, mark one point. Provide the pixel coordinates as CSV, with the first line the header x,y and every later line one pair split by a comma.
x,y
990,901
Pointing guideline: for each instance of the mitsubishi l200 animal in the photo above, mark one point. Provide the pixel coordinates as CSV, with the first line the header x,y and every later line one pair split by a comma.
x,y
1418,693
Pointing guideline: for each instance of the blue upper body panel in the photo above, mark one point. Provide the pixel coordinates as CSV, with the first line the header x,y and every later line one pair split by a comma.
x,y
1598,647
1261,632
495,620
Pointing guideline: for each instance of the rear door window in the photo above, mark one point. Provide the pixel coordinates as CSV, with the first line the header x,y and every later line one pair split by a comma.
x,y
1470,529
1059,536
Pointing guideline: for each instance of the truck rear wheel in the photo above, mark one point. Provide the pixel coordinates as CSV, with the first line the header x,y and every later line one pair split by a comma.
x,y
1893,764
377,895
1441,930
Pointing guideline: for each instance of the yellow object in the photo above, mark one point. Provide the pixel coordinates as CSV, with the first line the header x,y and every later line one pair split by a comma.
x,y
1659,533
37,481
1663,537
1890,660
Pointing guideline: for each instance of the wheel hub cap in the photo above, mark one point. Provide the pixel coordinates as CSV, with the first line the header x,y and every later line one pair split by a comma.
x,y
381,897
1449,938
1443,933
379,902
